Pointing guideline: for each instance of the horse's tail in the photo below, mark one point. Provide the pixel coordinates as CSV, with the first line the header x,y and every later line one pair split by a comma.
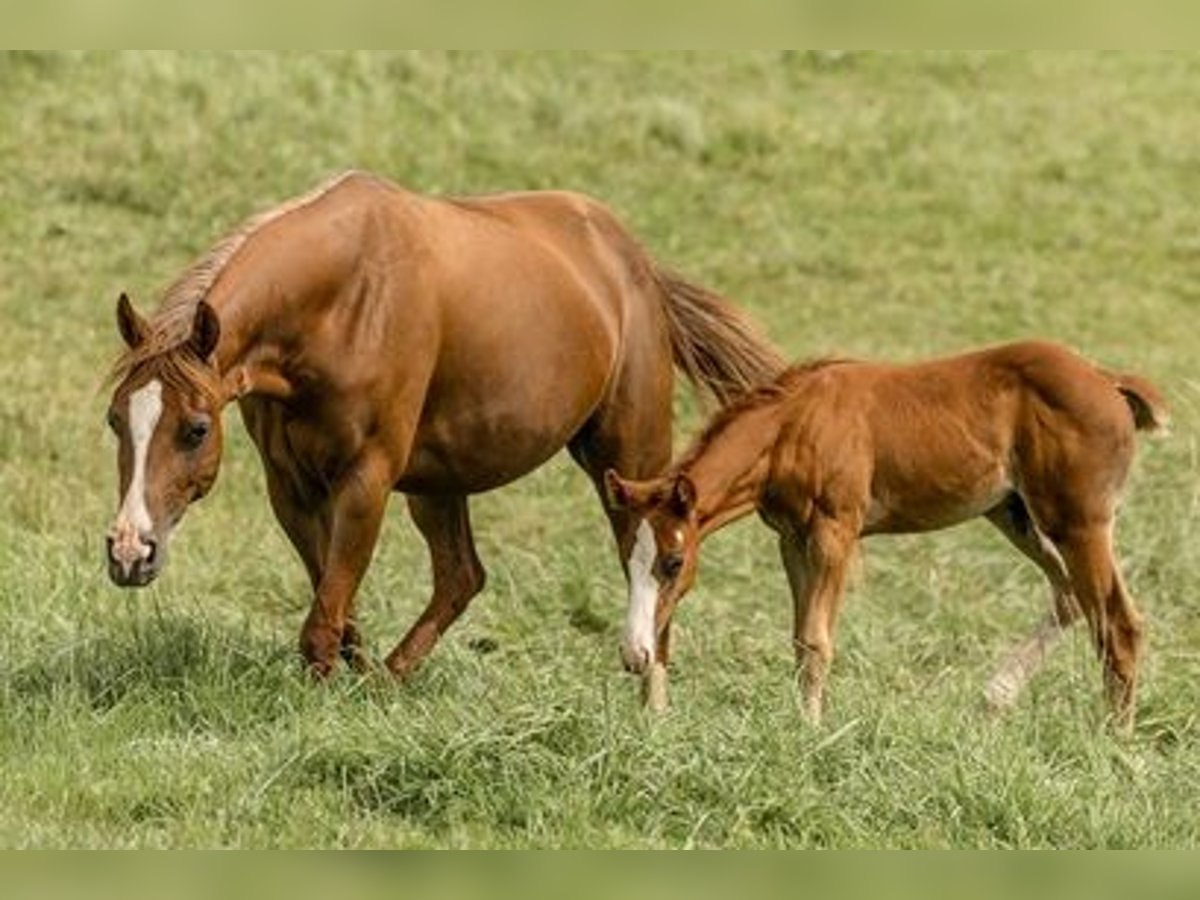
x,y
712,342
1145,401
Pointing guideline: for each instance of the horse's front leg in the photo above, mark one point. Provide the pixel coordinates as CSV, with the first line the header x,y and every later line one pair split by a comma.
x,y
356,508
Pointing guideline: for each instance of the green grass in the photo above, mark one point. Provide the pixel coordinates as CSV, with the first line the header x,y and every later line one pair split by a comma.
x,y
880,205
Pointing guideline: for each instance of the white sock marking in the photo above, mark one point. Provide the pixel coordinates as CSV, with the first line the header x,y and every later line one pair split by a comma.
x,y
640,634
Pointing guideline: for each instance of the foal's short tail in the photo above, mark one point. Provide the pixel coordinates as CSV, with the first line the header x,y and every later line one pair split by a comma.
x,y
713,343
1145,401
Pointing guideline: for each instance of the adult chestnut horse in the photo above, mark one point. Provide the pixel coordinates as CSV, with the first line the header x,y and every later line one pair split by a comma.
x,y
1028,435
379,340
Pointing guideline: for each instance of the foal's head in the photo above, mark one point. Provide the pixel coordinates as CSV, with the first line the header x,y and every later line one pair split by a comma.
x,y
166,414
662,561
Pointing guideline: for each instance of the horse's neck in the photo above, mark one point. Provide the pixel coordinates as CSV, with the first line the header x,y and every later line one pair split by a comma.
x,y
730,471
249,364
257,317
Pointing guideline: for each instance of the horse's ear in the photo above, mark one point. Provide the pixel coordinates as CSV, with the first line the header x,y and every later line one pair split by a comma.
x,y
683,495
132,326
206,331
616,490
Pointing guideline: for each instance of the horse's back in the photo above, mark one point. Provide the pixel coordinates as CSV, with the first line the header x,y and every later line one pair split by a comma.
x,y
538,305
579,231
484,332
516,254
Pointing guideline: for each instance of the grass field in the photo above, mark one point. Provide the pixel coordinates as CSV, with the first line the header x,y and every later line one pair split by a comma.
x,y
879,205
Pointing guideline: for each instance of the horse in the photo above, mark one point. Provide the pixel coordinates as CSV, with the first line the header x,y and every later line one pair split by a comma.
x,y
378,340
1028,435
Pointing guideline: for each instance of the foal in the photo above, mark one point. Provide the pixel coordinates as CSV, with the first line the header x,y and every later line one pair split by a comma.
x,y
1028,435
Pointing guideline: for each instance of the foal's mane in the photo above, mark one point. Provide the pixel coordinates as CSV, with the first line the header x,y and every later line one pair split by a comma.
x,y
763,395
170,325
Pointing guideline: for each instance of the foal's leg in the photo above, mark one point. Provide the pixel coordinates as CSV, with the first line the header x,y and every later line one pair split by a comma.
x,y
800,579
817,570
356,508
1115,621
1013,520
457,575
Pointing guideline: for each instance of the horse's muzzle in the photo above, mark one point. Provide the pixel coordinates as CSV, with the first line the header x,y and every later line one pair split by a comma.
x,y
133,571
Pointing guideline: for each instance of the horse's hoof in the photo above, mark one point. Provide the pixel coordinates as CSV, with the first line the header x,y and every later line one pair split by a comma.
x,y
357,660
320,670
400,667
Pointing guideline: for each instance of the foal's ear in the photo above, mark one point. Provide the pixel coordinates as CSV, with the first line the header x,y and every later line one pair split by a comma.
x,y
132,326
206,331
616,490
683,495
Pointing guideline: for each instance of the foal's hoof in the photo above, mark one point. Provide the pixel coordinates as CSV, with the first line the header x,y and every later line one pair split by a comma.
x,y
1000,696
654,689
1121,723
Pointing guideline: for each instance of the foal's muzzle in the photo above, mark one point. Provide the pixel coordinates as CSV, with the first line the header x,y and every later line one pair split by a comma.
x,y
635,659
135,571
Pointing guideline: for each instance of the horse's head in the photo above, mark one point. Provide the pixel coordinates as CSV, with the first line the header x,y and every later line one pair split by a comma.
x,y
166,414
662,561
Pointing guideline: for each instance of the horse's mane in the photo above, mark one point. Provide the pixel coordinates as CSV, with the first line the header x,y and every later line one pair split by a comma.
x,y
761,396
171,323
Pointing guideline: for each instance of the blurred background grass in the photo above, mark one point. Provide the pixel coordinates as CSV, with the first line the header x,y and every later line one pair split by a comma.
x,y
890,205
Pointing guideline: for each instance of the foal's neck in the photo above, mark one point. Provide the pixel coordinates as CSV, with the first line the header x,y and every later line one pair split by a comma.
x,y
731,466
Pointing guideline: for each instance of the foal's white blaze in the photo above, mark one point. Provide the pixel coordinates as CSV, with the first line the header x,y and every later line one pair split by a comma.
x,y
640,639
133,518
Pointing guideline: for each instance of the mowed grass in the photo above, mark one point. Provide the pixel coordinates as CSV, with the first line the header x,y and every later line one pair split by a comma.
x,y
880,205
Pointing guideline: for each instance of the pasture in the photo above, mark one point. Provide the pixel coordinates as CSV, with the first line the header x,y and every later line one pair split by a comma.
x,y
892,206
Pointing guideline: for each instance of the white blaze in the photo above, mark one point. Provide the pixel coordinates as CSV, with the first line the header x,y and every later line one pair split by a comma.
x,y
640,637
133,518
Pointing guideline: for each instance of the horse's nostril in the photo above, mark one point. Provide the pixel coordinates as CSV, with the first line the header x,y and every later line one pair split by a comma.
x,y
153,554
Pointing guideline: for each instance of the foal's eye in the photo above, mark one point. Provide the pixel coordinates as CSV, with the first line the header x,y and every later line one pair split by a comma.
x,y
114,421
670,565
195,432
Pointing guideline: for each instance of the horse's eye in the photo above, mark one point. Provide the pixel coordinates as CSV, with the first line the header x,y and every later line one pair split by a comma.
x,y
195,432
114,421
670,565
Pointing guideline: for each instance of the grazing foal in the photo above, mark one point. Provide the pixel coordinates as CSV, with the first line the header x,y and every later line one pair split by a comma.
x,y
1028,435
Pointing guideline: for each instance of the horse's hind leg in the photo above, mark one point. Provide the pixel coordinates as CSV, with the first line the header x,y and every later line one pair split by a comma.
x,y
636,446
1013,521
1116,623
458,575
631,433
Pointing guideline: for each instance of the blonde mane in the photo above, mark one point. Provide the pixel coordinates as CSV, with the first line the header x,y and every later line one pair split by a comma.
x,y
171,324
